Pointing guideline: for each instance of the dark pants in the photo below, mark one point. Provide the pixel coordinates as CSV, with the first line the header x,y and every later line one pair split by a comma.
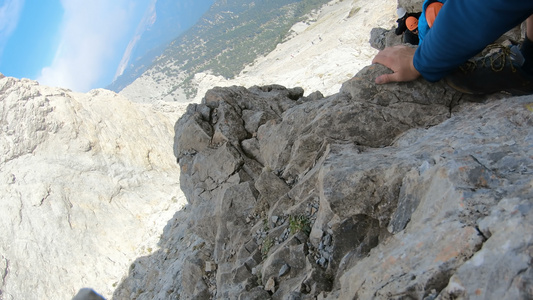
x,y
410,38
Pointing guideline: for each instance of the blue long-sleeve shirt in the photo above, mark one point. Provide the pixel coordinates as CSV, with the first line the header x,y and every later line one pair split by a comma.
x,y
462,29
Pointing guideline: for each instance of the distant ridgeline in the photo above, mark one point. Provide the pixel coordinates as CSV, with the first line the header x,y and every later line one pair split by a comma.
x,y
227,38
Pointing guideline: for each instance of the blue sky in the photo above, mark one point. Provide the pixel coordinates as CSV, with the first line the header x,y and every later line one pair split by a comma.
x,y
77,44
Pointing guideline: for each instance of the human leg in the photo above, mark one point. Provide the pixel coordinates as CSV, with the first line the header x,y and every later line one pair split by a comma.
x,y
510,69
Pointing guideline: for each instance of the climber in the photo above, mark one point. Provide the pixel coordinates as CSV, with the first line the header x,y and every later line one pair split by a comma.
x,y
463,29
411,34
405,21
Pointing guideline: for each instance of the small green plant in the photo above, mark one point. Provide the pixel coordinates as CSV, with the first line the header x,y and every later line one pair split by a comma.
x,y
267,245
266,227
299,224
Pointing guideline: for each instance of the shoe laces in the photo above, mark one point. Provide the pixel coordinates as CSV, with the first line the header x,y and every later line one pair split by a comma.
x,y
497,58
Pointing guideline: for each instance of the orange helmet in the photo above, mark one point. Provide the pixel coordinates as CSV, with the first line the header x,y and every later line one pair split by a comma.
x,y
411,23
432,11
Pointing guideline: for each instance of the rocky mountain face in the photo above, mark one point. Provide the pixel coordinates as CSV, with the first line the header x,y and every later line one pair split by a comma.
x,y
400,191
88,182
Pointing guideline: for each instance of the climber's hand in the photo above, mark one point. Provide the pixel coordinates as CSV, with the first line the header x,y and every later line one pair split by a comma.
x,y
400,60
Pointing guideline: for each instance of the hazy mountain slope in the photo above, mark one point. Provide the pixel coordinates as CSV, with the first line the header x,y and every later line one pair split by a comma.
x,y
231,35
163,21
321,54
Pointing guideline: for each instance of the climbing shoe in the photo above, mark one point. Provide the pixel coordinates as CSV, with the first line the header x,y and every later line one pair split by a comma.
x,y
498,71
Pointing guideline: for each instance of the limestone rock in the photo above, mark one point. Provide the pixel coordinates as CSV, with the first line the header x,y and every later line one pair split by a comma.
x,y
411,5
381,38
289,196
459,190
411,184
87,184
271,285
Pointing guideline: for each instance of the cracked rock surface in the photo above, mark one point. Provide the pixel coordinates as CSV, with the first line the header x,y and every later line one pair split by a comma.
x,y
399,191
87,183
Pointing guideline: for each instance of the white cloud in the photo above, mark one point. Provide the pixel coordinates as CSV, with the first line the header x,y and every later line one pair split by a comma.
x,y
10,12
91,32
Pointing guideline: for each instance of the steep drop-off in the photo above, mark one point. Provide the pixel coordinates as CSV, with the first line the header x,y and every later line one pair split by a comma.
x,y
88,182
